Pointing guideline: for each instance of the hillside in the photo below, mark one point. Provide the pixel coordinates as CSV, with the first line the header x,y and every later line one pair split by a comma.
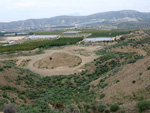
x,y
106,20
116,81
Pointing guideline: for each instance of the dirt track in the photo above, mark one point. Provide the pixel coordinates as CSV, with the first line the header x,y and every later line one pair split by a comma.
x,y
59,70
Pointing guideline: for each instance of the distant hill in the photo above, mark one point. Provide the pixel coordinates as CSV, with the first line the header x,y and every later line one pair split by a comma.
x,y
106,20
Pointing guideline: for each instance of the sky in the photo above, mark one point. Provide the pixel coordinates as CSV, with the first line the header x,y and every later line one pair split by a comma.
x,y
14,10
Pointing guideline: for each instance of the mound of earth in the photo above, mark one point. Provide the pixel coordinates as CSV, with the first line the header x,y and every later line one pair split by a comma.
x,y
58,60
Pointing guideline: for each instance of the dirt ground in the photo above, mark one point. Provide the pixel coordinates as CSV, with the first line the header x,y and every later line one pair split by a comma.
x,y
137,72
87,56
58,60
133,84
12,38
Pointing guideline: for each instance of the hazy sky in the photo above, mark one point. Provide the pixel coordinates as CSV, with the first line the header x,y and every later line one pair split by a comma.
x,y
12,10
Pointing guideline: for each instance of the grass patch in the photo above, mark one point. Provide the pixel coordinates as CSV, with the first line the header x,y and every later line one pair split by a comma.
x,y
143,105
114,107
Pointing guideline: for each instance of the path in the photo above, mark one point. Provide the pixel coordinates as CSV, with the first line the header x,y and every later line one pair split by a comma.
x,y
58,70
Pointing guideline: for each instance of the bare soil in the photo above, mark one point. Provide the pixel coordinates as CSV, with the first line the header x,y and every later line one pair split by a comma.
x,y
133,80
63,69
130,49
58,60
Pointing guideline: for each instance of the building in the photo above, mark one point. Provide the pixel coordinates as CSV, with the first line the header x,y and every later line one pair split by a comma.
x,y
43,36
10,34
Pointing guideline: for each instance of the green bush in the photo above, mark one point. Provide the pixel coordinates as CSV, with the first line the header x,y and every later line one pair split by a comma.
x,y
133,81
21,97
101,107
2,103
107,111
148,68
122,38
114,107
5,95
102,85
122,110
40,51
12,100
1,68
143,105
102,95
117,81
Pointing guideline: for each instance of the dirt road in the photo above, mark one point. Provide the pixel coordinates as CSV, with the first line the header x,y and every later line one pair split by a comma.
x,y
72,50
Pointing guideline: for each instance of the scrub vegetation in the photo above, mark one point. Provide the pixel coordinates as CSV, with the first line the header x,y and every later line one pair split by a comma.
x,y
81,92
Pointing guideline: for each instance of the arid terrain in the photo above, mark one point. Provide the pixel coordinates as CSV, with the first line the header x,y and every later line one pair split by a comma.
x,y
86,77
84,55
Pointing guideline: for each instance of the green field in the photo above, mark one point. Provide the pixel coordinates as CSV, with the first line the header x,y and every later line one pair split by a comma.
x,y
40,44
105,33
95,33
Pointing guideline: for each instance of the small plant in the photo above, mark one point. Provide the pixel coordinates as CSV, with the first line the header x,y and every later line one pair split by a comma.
x,y
102,85
101,107
117,81
133,81
102,80
148,68
140,74
5,95
1,68
102,95
122,38
114,107
39,51
107,111
122,111
12,100
50,58
141,98
21,97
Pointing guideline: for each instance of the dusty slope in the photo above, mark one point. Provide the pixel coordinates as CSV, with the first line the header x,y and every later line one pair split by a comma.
x,y
10,88
126,91
130,49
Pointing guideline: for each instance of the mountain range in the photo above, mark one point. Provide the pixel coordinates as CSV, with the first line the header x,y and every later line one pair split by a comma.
x,y
125,19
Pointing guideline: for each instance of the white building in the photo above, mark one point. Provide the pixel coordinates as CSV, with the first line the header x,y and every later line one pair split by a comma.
x,y
43,36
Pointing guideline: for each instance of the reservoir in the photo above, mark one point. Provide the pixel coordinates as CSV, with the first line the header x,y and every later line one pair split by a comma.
x,y
98,39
